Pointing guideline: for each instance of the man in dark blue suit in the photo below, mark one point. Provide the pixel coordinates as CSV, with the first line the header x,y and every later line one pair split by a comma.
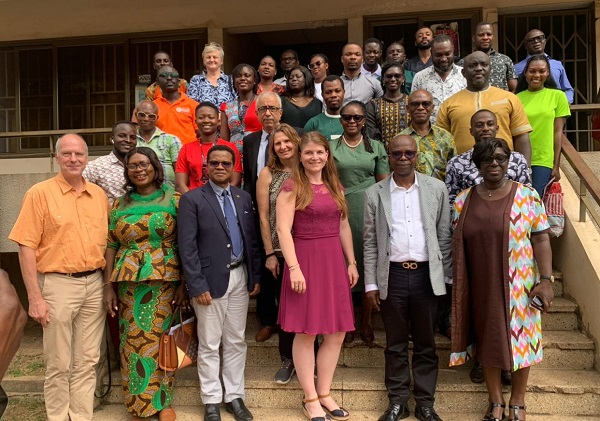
x,y
221,260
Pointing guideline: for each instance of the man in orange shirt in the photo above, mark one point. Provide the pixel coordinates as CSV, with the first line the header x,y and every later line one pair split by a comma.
x,y
159,60
61,232
175,109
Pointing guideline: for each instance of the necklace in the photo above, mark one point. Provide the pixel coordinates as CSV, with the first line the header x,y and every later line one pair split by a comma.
x,y
489,192
352,146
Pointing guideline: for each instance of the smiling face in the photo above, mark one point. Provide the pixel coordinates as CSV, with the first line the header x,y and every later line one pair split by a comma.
x,y
491,169
140,171
395,52
399,147
352,57
124,138
483,38
313,157
212,60
244,80
207,119
72,156
318,67
220,167
442,56
372,54
351,126
536,74
284,147
267,69
477,71
423,38
420,106
535,42
484,125
333,95
393,78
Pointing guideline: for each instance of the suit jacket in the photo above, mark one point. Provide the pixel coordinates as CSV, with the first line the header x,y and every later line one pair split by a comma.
x,y
435,215
204,243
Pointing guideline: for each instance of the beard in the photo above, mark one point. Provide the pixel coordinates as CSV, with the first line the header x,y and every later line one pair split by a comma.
x,y
424,46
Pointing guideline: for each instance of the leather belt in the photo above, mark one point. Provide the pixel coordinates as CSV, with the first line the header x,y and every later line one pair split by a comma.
x,y
236,264
79,274
410,265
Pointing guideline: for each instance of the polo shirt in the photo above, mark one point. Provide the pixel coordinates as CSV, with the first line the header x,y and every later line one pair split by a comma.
x,y
362,88
328,125
178,118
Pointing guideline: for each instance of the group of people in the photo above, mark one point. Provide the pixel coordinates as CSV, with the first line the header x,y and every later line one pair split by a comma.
x,y
403,188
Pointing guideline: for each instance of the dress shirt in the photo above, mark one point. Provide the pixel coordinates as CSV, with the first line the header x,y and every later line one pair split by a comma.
x,y
376,74
282,81
559,74
219,193
362,88
262,150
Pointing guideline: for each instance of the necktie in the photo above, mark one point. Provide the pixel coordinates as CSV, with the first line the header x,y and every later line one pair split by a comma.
x,y
267,150
232,223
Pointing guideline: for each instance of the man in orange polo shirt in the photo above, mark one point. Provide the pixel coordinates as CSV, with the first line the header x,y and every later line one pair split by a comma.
x,y
61,232
175,109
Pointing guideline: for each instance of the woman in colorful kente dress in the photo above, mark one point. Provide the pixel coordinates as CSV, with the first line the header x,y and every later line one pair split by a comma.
x,y
142,257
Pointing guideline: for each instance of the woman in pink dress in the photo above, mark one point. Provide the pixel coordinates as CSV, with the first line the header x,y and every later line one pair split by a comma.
x,y
316,242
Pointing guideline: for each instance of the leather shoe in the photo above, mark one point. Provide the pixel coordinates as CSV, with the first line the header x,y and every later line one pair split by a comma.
x,y
265,333
395,412
425,413
239,410
212,412
167,414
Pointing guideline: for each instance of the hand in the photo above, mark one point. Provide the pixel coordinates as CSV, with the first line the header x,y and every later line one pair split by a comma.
x,y
373,296
545,292
353,275
272,264
255,290
180,298
204,299
39,311
555,173
110,300
297,280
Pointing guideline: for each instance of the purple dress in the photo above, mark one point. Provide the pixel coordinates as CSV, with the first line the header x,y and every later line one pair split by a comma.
x,y
326,306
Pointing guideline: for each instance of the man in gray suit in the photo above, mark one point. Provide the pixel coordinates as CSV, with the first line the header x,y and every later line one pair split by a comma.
x,y
407,255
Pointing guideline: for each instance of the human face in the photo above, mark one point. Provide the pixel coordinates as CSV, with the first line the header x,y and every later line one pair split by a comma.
x,y
161,60
168,79
318,67
212,60
72,156
288,60
393,78
372,54
296,81
333,95
244,81
220,175
267,68
395,52
494,171
484,126
423,38
535,42
267,118
207,120
313,157
483,38
477,71
352,128
124,139
442,56
420,106
403,145
147,116
140,177
284,147
536,74
352,57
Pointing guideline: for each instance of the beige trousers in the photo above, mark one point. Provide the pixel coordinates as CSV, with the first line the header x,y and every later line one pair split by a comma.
x,y
72,341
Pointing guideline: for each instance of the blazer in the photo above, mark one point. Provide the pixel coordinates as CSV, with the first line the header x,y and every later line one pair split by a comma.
x,y
204,243
435,215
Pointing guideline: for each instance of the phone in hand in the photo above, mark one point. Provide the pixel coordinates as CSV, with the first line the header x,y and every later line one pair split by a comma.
x,y
537,303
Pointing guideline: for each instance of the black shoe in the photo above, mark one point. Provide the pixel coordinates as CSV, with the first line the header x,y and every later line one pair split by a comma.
x,y
239,410
3,401
212,412
286,372
395,412
476,373
506,378
425,413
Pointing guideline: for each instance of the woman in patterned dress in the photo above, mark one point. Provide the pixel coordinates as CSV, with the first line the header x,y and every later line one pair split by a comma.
x,y
502,260
267,69
142,257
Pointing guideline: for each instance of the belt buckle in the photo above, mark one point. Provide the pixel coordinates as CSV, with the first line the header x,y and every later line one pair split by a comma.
x,y
410,265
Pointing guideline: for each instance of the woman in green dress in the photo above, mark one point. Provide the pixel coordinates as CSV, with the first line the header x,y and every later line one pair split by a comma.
x,y
361,163
142,258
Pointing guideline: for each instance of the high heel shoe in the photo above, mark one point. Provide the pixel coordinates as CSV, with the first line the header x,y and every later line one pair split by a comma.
x,y
516,409
490,412
308,415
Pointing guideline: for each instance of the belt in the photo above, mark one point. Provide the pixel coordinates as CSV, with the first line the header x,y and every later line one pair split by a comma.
x,y
410,265
79,274
235,264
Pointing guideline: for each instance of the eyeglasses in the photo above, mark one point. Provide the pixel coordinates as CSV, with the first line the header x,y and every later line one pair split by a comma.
x,y
500,159
417,104
292,58
539,38
390,76
143,165
399,154
174,75
148,116
225,164
269,108
348,118
315,64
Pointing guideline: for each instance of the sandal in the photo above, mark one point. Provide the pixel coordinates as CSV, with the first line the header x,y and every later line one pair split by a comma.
x,y
308,415
516,409
339,414
490,412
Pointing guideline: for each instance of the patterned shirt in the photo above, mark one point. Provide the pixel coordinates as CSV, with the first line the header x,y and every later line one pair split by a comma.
x,y
108,172
201,89
167,148
462,173
436,148
502,69
441,90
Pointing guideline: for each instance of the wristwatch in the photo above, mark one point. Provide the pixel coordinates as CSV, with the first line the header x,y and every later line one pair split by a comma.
x,y
548,277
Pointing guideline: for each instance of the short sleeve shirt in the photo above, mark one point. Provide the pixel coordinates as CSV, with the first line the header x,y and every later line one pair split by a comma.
x,y
107,172
502,70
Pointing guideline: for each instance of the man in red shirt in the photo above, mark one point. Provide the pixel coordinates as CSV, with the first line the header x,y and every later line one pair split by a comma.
x,y
190,170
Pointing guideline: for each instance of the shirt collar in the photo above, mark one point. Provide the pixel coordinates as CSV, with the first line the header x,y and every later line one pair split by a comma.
x,y
218,189
394,186
331,115
113,158
64,185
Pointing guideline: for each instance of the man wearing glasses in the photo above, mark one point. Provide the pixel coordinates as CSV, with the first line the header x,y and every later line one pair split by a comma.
x,y
407,255
288,59
165,145
535,43
221,260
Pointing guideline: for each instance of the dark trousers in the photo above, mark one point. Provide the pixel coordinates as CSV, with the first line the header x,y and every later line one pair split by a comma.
x,y
445,310
410,307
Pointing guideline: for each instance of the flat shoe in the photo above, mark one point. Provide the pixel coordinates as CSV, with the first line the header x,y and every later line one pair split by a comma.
x,y
339,414
167,414
308,414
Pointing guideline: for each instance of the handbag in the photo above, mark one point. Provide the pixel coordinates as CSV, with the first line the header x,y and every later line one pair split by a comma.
x,y
553,202
179,344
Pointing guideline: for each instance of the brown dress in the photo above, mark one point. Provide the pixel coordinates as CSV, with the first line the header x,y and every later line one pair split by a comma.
x,y
483,239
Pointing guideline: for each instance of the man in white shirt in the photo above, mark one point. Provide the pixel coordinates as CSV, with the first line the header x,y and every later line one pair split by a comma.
x,y
407,255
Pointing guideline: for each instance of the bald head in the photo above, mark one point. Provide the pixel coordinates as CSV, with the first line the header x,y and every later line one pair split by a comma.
x,y
403,158
404,142
420,106
148,106
477,71
70,139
